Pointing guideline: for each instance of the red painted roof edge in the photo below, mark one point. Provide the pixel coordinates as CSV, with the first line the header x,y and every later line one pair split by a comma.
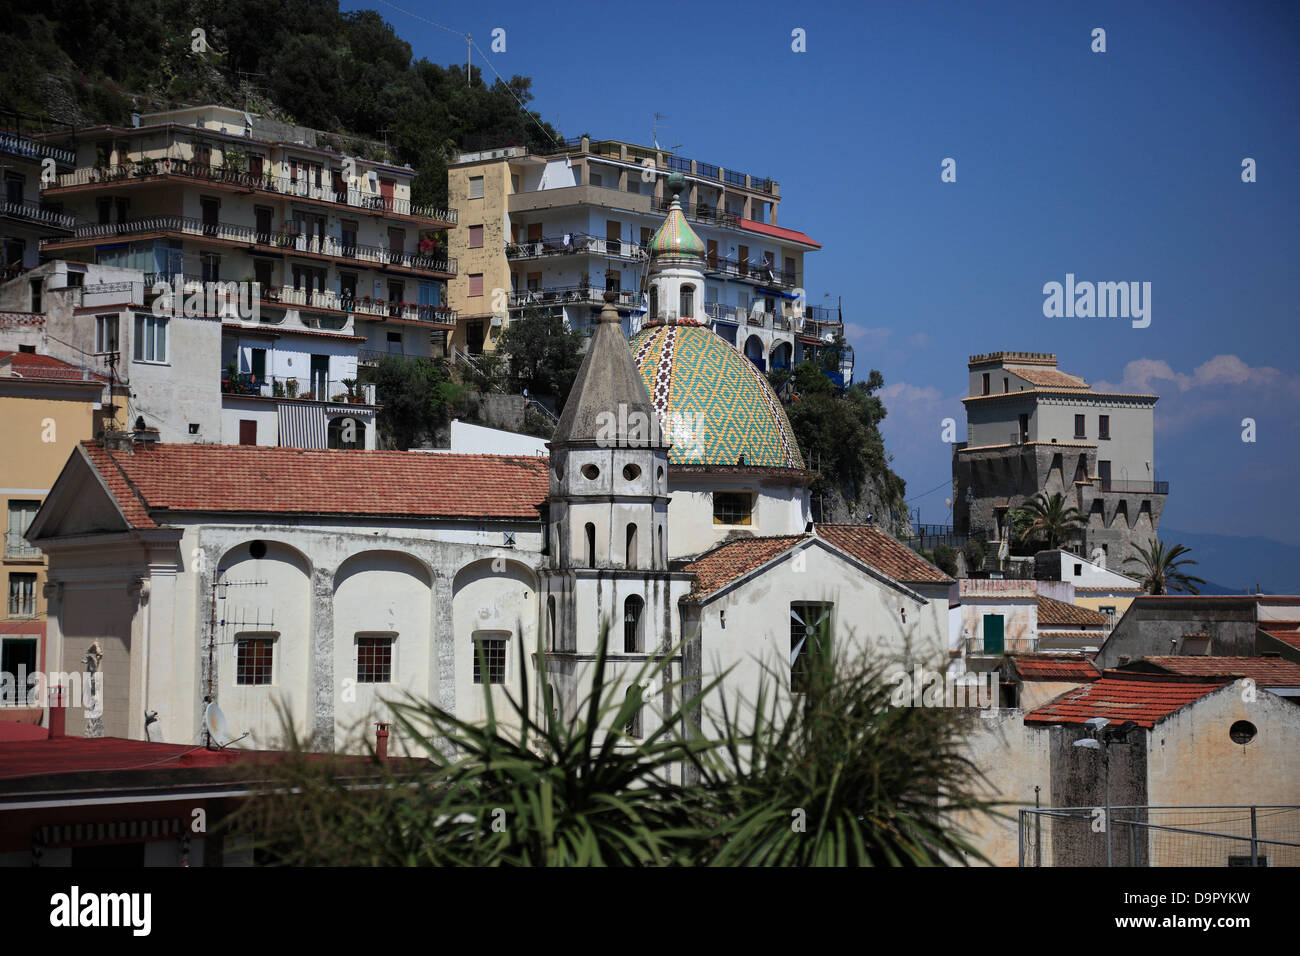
x,y
779,232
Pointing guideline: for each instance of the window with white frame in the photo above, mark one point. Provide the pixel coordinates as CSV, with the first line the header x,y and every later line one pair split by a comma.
x,y
22,594
150,338
105,333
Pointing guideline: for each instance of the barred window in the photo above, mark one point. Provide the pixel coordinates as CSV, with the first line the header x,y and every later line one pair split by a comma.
x,y
490,652
733,507
254,656
374,658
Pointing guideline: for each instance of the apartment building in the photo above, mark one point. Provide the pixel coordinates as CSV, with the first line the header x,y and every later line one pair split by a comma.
x,y
25,216
347,268
1031,428
558,230
46,408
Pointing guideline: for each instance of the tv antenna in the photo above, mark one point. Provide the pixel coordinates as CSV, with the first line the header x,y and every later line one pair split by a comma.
x,y
218,588
654,134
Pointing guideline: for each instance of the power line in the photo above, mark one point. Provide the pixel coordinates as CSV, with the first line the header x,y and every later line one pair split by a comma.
x,y
946,484
470,41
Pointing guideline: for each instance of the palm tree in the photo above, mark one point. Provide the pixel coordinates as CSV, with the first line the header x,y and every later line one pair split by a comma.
x,y
1160,568
1051,518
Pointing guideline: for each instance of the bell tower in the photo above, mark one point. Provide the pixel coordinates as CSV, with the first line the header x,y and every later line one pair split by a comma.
x,y
607,561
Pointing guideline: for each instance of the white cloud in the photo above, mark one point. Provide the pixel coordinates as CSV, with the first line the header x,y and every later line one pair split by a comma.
x,y
1155,376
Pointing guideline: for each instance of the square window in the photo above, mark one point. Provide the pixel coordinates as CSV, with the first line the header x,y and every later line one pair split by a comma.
x,y
490,651
374,658
733,507
150,338
254,656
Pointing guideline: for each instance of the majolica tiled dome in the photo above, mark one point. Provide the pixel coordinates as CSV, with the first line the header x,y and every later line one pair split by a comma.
x,y
676,239
713,404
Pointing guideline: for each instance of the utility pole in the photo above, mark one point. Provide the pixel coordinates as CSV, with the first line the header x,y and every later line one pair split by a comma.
x,y
469,46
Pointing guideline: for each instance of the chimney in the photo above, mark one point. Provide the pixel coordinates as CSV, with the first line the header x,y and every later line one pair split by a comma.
x,y
58,715
381,741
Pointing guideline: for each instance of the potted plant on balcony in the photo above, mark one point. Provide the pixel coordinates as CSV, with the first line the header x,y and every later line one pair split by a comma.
x,y
351,385
292,385
232,373
277,388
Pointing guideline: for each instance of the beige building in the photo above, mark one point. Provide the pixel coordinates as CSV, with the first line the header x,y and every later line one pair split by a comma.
x,y
558,230
1031,428
46,408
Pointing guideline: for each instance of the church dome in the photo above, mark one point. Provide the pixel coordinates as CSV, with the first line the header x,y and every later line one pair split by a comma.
x,y
675,239
713,404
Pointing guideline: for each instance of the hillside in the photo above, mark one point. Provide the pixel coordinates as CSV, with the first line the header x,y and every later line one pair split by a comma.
x,y
83,62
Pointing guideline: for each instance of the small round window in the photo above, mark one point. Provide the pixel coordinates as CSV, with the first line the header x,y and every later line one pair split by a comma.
x,y
590,472
631,472
1242,732
257,550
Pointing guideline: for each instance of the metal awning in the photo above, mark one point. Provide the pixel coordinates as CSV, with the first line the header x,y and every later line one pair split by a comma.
x,y
303,425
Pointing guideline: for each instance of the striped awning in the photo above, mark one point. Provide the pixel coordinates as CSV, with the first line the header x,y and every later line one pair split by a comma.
x,y
303,425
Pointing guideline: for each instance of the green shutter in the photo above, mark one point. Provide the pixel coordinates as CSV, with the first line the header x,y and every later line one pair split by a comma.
x,y
993,634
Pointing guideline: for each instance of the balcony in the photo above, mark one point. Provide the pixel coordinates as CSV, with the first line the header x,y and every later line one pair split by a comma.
x,y
576,244
1132,487
24,147
283,186
701,212
17,548
38,214
572,295
330,391
976,647
326,301
760,273
330,247
738,315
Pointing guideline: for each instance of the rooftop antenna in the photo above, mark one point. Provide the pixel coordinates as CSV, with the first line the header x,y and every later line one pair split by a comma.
x,y
654,134
469,46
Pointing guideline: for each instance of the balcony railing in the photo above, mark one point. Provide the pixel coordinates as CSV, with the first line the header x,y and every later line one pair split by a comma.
x,y
978,646
330,391
701,212
335,247
575,245
17,548
35,212
818,329
760,272
740,316
298,188
326,300
1133,487
572,295
15,144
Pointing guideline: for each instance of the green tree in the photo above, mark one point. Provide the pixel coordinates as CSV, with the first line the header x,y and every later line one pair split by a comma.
x,y
945,559
1050,519
1160,566
417,397
542,355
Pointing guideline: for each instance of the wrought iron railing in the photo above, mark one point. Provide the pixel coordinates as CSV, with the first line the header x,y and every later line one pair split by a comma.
x,y
18,548
571,295
15,144
576,244
312,389
35,212
296,187
333,246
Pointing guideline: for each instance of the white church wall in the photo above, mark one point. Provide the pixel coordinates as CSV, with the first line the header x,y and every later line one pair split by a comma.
x,y
493,602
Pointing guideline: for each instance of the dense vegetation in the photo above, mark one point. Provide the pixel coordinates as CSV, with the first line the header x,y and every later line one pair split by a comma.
x,y
302,61
839,434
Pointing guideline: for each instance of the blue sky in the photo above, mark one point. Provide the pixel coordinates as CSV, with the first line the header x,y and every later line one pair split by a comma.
x,y
1115,166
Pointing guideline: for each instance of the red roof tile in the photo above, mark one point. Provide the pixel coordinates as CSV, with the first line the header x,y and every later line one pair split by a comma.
x,y
1145,699
248,479
32,365
872,546
777,232
1057,613
1262,670
1054,667
728,562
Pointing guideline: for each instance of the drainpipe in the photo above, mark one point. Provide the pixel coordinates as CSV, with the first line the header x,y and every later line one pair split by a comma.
x,y
381,741
58,715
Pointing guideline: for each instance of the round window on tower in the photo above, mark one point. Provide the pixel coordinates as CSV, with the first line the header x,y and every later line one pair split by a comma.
x,y
257,550
631,472
1242,732
590,472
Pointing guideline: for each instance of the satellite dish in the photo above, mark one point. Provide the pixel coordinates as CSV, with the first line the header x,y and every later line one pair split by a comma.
x,y
214,721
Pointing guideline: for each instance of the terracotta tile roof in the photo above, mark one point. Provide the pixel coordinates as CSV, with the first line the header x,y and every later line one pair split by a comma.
x,y
1135,589
1275,627
1287,637
1145,699
733,560
32,365
1262,670
778,232
1051,377
872,546
728,562
1073,635
1057,613
1054,667
250,479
